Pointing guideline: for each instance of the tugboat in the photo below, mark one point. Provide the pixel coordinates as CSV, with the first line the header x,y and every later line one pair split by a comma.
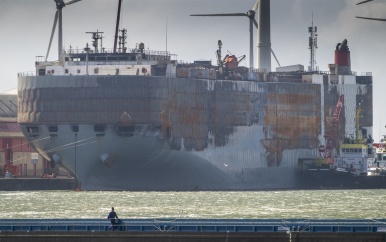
x,y
358,164
379,166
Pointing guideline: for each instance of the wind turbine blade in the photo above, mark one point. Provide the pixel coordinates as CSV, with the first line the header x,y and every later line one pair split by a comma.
x,y
71,2
364,2
220,14
255,23
251,64
52,33
273,53
376,19
256,6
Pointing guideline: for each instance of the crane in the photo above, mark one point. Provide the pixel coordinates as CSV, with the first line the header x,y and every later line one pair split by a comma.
x,y
227,64
333,134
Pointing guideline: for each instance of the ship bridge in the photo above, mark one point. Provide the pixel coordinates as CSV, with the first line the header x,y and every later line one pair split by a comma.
x,y
85,61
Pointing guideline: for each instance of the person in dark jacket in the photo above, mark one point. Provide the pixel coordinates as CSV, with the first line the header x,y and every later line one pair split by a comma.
x,y
113,217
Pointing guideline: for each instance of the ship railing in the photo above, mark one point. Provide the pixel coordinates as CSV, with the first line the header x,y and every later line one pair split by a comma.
x,y
181,62
172,75
366,74
26,73
104,62
30,73
258,70
354,73
109,51
255,70
99,63
195,64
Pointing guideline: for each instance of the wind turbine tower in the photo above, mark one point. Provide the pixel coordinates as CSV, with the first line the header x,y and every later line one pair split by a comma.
x,y
264,36
60,4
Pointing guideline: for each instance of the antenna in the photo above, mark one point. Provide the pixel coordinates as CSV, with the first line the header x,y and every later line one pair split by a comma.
x,y
96,36
122,41
166,35
312,45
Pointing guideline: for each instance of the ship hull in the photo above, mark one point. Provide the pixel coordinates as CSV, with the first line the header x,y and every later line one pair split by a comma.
x,y
183,133
339,180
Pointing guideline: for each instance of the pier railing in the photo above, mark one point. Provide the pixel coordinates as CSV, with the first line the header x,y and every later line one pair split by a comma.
x,y
195,225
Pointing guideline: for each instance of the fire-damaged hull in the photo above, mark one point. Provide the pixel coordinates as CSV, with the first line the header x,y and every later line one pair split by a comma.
x,y
158,133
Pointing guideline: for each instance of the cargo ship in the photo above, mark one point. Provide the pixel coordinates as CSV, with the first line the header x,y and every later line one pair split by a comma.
x,y
140,120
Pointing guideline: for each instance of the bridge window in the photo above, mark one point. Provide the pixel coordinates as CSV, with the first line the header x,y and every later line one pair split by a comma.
x,y
99,128
126,129
42,72
32,129
53,128
75,128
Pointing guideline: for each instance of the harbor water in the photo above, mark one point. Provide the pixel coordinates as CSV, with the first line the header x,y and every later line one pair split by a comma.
x,y
303,204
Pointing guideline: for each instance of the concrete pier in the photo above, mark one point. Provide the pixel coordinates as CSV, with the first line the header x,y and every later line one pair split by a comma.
x,y
181,230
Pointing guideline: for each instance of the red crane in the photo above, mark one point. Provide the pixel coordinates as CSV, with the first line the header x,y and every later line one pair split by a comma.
x,y
332,133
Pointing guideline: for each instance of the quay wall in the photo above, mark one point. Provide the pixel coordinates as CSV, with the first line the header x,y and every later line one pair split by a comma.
x,y
188,236
33,184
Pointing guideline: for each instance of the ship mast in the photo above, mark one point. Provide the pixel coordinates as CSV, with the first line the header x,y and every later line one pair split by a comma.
x,y
122,41
117,26
96,36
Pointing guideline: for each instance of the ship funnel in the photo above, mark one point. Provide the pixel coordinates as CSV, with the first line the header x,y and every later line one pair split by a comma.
x,y
342,59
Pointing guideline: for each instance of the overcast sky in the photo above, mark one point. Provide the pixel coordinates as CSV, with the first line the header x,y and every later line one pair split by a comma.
x,y
25,28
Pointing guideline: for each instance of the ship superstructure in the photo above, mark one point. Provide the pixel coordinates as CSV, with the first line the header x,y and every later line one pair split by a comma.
x,y
136,119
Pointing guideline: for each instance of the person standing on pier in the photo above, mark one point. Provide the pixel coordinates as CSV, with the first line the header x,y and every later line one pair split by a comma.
x,y
112,217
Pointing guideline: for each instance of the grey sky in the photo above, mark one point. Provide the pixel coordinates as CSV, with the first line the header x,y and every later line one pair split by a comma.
x,y
25,27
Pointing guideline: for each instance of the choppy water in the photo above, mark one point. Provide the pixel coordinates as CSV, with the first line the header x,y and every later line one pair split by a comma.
x,y
325,204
